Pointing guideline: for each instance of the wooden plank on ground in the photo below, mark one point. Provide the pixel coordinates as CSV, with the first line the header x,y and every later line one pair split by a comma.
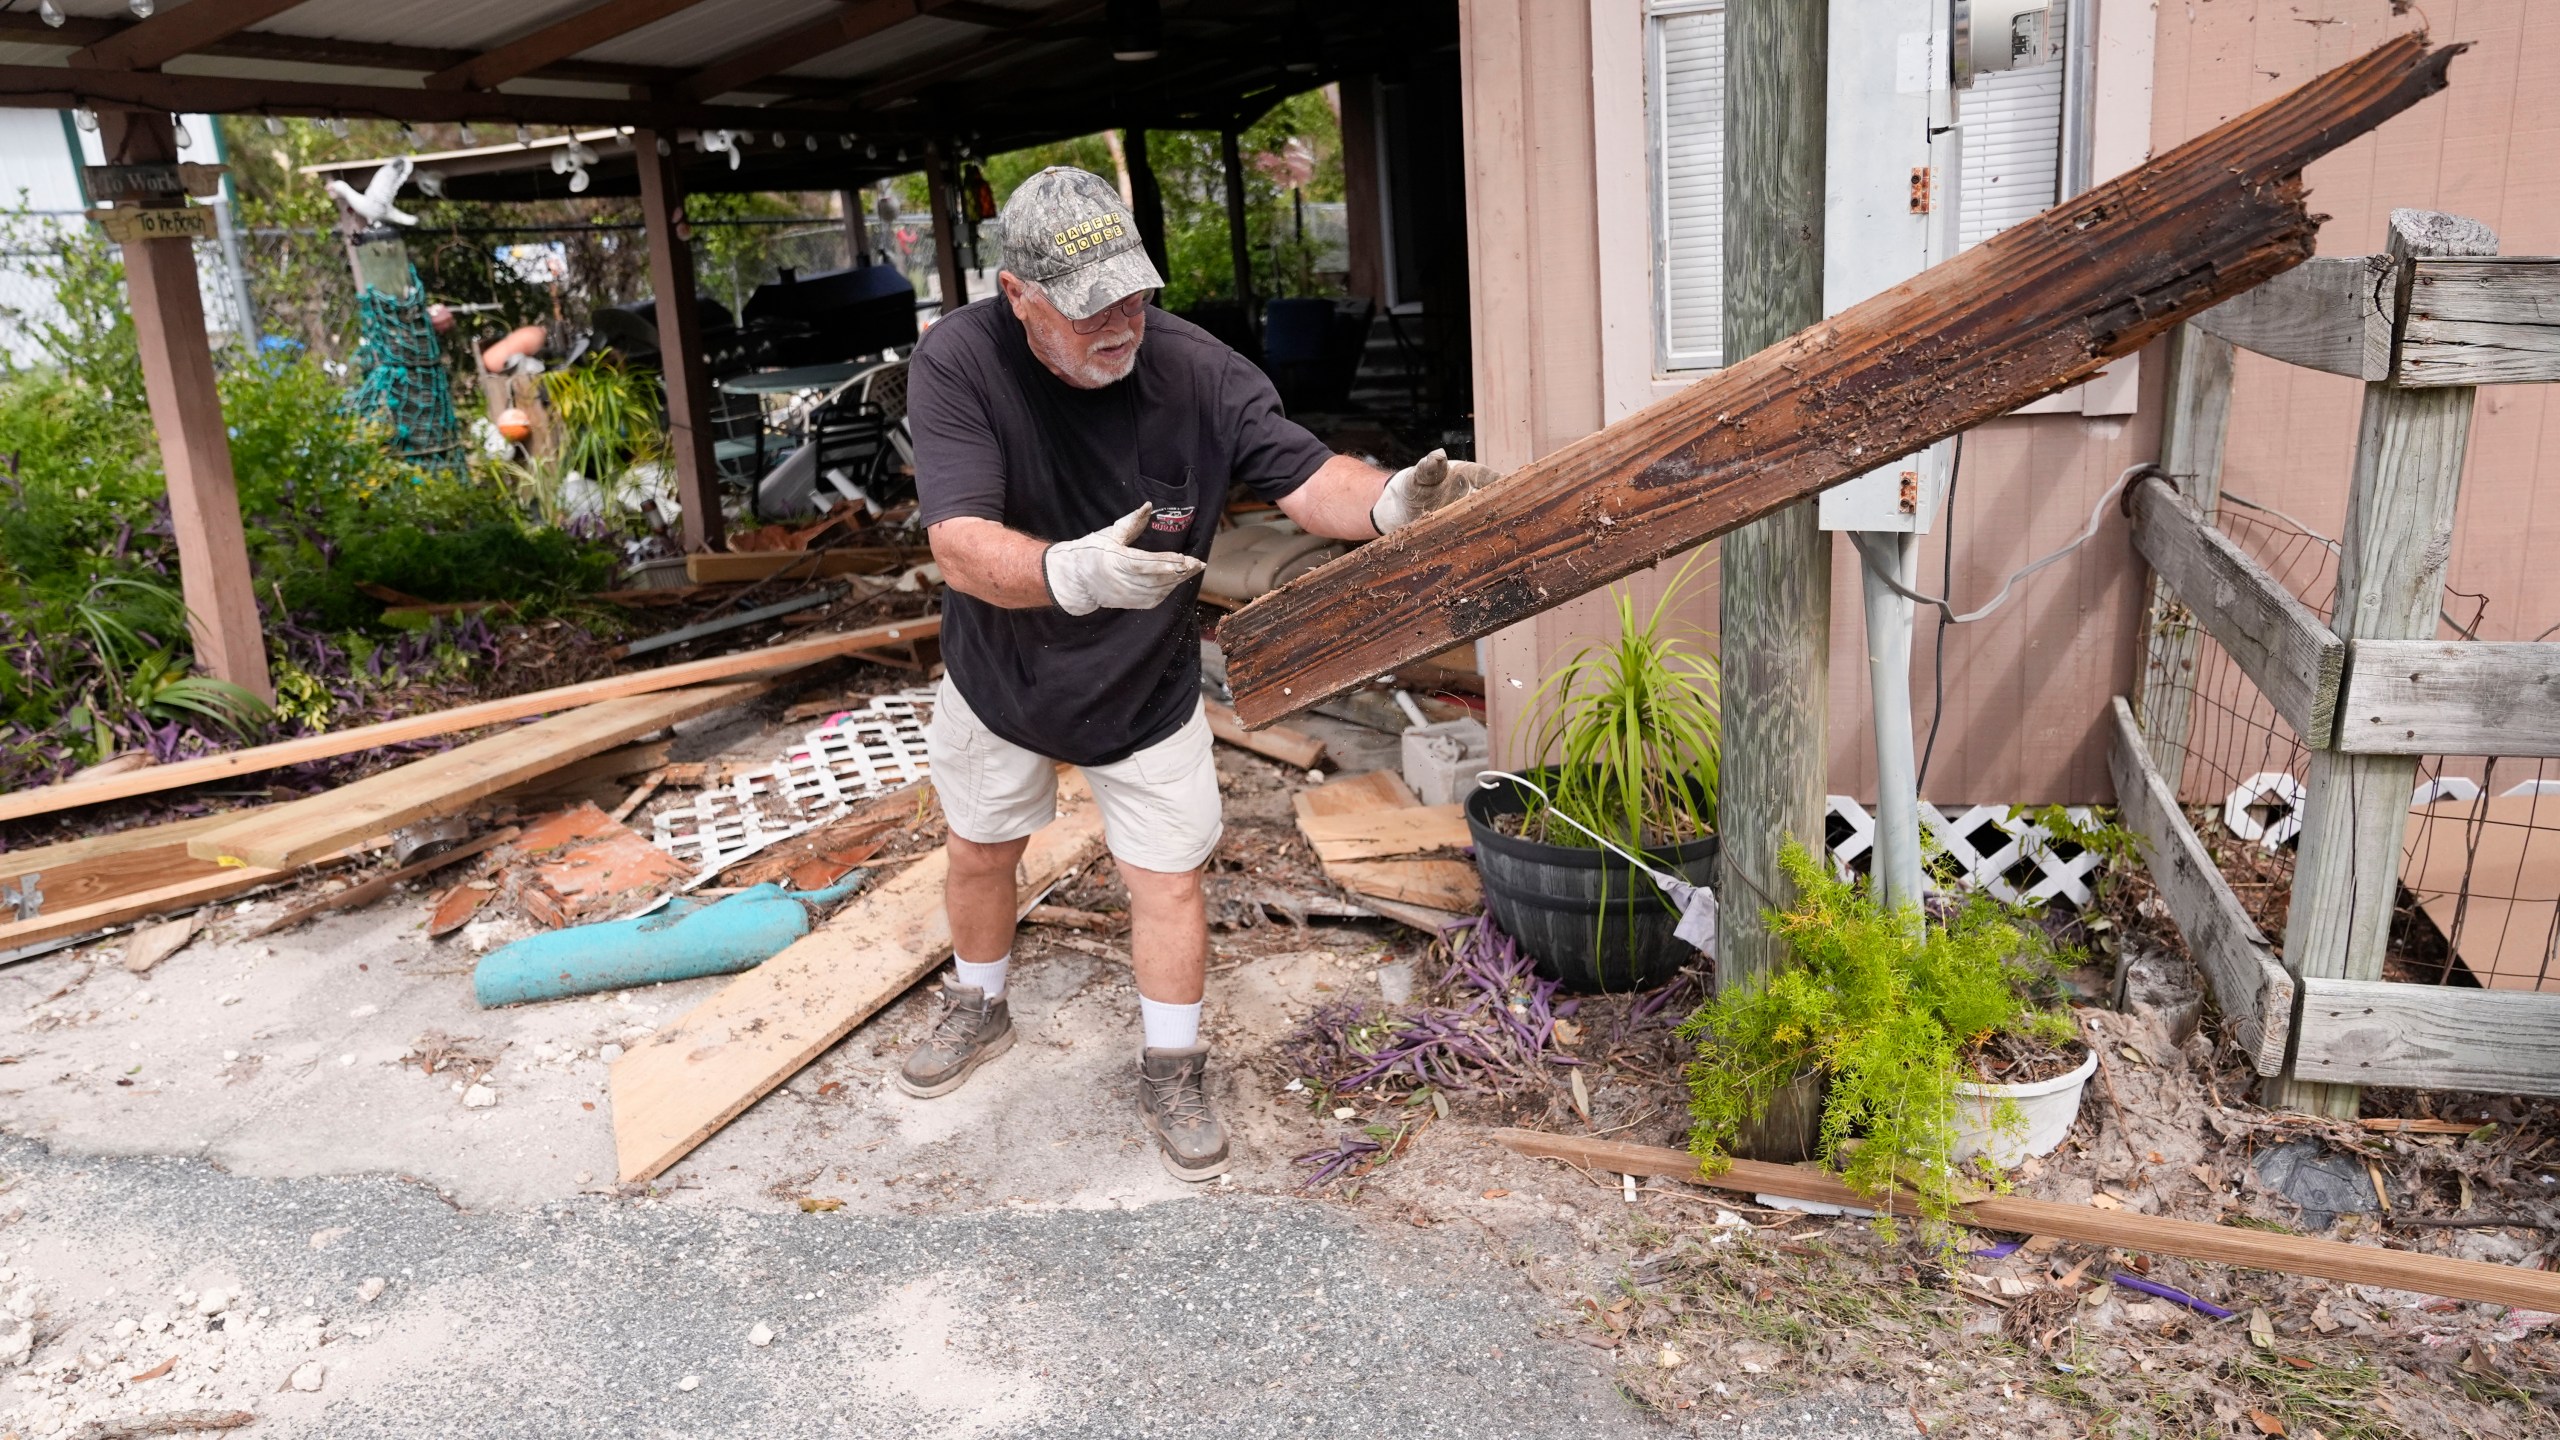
x,y
2332,313
99,868
1349,794
2036,309
2482,320
2253,990
173,898
2451,697
1387,833
2123,1229
1445,885
448,783
2294,659
152,779
2428,1037
676,1090
1278,742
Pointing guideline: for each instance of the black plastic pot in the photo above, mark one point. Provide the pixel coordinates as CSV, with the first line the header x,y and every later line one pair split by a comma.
x,y
1589,919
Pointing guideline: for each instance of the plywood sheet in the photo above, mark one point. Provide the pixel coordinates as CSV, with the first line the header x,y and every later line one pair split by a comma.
x,y
2506,929
1387,833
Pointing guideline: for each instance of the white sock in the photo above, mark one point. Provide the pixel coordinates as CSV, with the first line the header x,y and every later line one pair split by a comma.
x,y
988,976
1169,1026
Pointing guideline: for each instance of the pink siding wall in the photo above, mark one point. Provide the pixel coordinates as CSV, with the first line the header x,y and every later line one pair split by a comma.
x,y
2026,689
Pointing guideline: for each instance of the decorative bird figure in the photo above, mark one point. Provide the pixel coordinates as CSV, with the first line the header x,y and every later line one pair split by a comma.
x,y
373,203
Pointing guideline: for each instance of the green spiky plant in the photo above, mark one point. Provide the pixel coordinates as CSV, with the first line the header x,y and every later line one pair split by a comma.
x,y
1634,732
1886,1005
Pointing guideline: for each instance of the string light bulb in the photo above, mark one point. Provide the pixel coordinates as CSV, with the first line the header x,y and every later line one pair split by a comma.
x,y
812,142
780,140
337,126
524,135
844,142
50,13
141,8
88,119
470,136
178,128
274,126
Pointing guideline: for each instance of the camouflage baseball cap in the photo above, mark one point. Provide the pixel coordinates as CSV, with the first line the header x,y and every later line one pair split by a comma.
x,y
1067,230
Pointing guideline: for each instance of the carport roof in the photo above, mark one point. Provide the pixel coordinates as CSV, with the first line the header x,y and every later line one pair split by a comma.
x,y
998,72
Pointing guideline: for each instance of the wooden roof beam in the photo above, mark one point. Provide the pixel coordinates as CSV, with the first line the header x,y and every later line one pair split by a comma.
x,y
54,87
164,37
552,43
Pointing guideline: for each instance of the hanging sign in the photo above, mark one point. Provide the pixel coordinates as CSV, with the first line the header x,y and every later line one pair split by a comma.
x,y
140,182
126,224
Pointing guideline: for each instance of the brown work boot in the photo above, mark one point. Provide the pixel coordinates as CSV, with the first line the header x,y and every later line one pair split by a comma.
x,y
972,1031
1173,1094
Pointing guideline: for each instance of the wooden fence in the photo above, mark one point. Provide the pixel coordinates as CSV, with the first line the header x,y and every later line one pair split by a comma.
x,y
2369,690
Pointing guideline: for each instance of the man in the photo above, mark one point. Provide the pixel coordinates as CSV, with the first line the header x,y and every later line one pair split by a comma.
x,y
1074,447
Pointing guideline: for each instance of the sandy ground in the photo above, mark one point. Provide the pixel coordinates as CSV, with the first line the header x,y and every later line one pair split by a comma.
x,y
212,1162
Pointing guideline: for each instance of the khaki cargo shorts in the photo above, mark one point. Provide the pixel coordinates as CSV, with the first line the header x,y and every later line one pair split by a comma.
x,y
1159,806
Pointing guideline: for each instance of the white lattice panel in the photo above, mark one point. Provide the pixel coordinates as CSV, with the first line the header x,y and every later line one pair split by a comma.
x,y
1978,862
855,755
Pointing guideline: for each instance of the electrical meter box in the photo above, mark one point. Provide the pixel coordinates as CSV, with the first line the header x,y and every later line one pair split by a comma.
x,y
1889,208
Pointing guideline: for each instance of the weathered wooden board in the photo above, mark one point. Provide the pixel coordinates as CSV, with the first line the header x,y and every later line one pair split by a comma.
x,y
1451,886
1279,742
2428,1037
2292,657
1387,833
678,1088
2332,313
153,779
447,784
2195,420
2451,697
798,564
2482,320
175,897
2253,990
2040,307
2122,1229
1350,794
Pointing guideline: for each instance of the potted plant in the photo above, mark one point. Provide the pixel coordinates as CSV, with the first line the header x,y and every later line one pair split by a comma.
x,y
1929,1036
1634,731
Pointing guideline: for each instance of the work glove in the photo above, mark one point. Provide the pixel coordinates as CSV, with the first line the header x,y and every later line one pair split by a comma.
x,y
1426,485
1101,571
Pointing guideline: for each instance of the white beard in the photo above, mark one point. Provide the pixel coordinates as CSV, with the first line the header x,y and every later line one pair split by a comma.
x,y
1078,368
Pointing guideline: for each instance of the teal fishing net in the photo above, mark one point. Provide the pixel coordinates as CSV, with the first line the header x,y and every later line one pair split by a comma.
x,y
405,384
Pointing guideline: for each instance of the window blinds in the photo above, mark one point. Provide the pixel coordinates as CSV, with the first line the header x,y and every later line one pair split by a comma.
x,y
1688,184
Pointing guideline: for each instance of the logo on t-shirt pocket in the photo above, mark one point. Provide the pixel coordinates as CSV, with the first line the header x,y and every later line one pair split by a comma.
x,y
1173,521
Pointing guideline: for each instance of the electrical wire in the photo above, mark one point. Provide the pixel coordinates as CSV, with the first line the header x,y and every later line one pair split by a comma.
x,y
1885,572
1946,581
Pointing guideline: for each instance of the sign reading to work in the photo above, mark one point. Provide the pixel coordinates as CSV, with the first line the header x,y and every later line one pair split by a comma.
x,y
126,225
142,182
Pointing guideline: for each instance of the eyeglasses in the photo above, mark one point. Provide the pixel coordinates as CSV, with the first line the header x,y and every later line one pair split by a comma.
x,y
1125,309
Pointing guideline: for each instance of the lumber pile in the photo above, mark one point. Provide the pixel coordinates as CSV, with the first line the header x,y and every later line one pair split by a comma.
x,y
2037,308
1401,857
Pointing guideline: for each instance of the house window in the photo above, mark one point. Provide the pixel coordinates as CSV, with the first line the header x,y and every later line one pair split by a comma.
x,y
1684,45
2021,84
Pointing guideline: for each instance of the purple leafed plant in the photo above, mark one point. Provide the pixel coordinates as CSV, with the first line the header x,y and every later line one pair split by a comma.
x,y
1335,1161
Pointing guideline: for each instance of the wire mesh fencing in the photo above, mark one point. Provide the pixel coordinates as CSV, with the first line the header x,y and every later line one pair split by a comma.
x,y
2478,902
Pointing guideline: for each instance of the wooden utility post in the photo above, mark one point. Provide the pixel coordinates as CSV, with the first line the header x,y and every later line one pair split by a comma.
x,y
1146,198
945,198
2391,564
2192,427
1238,246
680,358
186,411
1776,613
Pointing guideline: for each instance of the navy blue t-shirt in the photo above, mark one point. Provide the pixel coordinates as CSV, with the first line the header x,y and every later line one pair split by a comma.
x,y
998,437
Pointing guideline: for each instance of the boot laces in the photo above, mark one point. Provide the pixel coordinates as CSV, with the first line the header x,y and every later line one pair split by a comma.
x,y
1184,1097
959,1023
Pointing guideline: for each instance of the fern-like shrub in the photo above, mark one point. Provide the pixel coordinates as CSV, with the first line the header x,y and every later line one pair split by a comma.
x,y
1886,1006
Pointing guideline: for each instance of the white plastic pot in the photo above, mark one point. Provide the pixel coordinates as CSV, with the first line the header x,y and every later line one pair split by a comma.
x,y
2048,1106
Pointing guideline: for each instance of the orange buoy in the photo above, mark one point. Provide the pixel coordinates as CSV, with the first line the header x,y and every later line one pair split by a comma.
x,y
514,426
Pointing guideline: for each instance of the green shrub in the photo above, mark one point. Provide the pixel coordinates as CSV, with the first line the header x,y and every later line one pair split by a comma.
x,y
1886,1006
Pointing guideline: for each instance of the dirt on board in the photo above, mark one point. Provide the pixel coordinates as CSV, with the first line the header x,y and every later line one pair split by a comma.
x,y
350,1045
